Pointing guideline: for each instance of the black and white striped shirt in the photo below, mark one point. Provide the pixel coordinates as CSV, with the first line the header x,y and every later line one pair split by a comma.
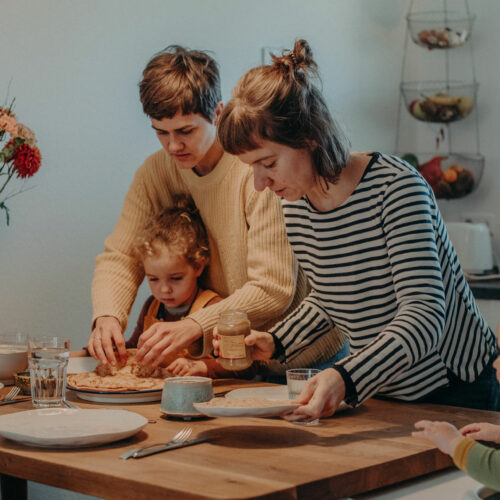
x,y
382,268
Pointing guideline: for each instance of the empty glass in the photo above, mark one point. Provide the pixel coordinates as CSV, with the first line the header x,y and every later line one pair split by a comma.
x,y
296,379
48,360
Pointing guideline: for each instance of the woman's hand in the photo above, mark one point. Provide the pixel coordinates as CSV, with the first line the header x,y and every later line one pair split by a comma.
x,y
105,337
444,435
320,397
482,432
262,342
163,339
184,367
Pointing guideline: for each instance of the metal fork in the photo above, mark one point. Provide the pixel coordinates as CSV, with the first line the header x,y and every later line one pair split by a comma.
x,y
181,436
12,393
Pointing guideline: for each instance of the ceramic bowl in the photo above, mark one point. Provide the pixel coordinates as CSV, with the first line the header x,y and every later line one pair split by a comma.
x,y
179,394
13,356
22,380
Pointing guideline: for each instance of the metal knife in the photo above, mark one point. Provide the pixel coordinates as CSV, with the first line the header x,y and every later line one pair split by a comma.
x,y
10,401
165,447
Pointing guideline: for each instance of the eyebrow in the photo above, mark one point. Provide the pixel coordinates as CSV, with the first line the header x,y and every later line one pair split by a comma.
x,y
180,129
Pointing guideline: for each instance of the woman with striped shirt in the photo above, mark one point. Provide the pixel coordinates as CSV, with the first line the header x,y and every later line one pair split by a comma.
x,y
367,230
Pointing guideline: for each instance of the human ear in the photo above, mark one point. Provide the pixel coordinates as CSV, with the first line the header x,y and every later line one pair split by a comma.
x,y
218,112
199,267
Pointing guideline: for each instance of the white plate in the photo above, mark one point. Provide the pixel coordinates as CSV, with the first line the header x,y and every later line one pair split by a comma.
x,y
1,385
274,393
245,411
66,428
118,397
87,364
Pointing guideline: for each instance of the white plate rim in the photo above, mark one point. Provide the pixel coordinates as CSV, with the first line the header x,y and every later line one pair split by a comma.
x,y
244,411
83,440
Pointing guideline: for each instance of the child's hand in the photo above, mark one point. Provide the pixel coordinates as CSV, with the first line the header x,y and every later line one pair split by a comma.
x,y
482,432
187,367
445,436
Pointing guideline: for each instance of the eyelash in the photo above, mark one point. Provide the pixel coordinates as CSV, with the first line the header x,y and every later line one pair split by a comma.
x,y
270,165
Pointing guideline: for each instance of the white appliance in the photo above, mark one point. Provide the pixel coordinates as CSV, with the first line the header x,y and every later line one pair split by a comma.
x,y
472,241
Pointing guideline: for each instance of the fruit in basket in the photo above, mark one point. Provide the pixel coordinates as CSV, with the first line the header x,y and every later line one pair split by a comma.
x,y
431,171
441,107
454,182
442,39
411,159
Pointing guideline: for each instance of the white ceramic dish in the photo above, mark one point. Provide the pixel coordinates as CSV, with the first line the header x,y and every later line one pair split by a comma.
x,y
274,393
66,428
13,356
245,411
87,364
118,397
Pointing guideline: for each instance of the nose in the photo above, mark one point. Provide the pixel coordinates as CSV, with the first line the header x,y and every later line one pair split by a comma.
x,y
165,288
175,144
260,179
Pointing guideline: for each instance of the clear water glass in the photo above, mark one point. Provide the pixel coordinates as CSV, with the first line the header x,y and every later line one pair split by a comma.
x,y
48,361
296,379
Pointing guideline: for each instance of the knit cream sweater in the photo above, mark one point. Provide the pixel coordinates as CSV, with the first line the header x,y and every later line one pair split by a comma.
x,y
251,262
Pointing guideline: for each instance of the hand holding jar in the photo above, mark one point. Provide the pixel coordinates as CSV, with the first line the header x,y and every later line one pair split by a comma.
x,y
237,345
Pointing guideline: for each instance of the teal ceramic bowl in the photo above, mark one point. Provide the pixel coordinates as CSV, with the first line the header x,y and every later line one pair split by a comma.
x,y
179,394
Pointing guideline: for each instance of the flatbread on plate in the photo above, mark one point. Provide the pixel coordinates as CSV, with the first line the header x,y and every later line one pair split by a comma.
x,y
126,376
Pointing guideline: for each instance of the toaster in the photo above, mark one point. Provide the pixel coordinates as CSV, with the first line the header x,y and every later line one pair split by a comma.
x,y
472,242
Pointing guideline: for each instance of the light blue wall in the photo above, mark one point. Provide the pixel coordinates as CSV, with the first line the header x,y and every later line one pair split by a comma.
x,y
74,65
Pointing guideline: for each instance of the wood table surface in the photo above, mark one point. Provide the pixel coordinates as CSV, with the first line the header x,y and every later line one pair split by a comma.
x,y
355,451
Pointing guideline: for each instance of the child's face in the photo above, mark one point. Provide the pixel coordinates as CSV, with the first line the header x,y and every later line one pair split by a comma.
x,y
173,281
187,138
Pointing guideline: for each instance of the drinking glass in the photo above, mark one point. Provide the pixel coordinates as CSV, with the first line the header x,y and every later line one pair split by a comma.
x,y
48,360
296,379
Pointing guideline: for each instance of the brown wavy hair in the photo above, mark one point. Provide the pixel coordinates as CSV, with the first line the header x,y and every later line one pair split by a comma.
x,y
179,78
179,229
281,103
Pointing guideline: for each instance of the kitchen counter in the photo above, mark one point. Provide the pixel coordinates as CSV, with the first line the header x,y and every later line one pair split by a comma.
x,y
488,290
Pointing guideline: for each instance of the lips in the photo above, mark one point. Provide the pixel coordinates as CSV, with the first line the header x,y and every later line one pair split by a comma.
x,y
183,157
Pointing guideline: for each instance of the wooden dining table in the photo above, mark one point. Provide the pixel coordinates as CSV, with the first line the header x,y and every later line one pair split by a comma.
x,y
355,451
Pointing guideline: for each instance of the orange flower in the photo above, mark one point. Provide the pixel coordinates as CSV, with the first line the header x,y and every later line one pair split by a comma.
x,y
27,160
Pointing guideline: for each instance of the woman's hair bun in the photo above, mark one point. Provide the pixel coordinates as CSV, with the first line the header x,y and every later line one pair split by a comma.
x,y
298,59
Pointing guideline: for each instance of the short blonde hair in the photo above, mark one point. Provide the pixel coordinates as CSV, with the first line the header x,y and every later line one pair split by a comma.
x,y
180,229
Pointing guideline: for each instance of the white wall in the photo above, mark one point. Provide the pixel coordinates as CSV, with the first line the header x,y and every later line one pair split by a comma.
x,y
74,65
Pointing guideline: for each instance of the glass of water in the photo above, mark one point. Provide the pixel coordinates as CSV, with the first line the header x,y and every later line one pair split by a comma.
x,y
48,360
296,379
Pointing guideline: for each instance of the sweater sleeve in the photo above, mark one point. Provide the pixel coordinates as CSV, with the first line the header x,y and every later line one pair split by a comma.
x,y
483,462
407,218
302,327
117,275
271,269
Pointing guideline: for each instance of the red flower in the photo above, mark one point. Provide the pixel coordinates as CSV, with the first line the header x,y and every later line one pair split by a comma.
x,y
27,160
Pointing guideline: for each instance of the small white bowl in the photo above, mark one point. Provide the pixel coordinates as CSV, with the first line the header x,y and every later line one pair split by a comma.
x,y
13,356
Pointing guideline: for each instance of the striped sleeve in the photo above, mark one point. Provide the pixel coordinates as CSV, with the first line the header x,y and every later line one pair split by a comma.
x,y
300,329
408,212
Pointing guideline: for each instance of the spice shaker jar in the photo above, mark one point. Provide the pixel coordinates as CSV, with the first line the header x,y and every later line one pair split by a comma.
x,y
233,327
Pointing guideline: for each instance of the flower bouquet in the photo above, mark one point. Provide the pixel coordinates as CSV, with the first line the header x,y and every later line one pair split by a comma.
x,y
19,156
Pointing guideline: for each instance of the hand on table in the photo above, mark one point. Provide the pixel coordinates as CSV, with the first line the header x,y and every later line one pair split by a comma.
x,y
262,342
444,435
320,397
482,432
164,339
105,337
184,367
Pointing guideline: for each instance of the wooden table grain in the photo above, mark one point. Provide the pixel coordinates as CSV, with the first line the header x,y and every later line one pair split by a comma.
x,y
355,451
